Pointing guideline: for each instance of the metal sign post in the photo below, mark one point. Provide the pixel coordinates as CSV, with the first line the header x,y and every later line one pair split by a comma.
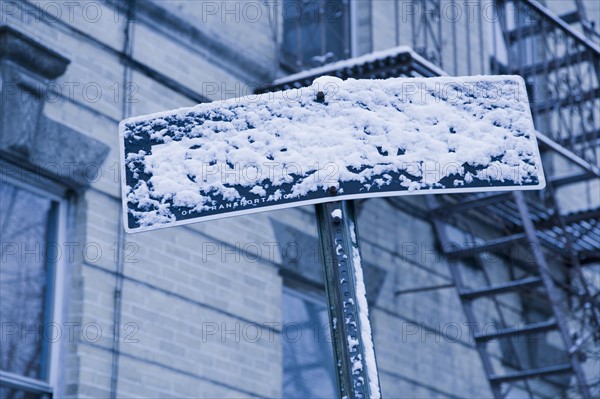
x,y
348,314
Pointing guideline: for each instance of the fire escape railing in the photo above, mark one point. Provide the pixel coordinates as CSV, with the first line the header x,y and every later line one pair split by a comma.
x,y
559,63
561,68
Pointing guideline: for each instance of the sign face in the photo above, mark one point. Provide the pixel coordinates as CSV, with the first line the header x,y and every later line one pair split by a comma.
x,y
331,141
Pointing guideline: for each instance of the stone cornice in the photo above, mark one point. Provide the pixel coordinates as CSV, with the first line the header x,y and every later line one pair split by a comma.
x,y
29,53
27,137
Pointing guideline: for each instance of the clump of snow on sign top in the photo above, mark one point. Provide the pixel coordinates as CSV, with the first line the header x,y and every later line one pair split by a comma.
x,y
368,136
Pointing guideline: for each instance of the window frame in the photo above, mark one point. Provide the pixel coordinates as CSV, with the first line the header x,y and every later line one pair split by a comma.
x,y
348,23
55,299
312,293
353,27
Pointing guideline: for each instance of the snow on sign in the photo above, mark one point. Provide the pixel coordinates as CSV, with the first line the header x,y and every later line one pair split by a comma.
x,y
331,141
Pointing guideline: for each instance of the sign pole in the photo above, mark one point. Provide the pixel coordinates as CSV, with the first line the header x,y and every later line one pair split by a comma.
x,y
348,314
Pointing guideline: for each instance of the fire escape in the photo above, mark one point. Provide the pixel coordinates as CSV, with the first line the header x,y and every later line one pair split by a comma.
x,y
549,346
525,265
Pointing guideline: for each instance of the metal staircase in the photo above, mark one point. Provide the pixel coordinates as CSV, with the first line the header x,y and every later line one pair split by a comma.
x,y
508,365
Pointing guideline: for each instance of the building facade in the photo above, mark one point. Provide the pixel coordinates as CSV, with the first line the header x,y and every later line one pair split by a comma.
x,y
236,307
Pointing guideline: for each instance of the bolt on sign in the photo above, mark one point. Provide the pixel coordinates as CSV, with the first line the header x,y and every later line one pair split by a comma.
x,y
326,144
334,140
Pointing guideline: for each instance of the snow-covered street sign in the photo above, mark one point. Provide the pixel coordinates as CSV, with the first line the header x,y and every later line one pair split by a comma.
x,y
335,140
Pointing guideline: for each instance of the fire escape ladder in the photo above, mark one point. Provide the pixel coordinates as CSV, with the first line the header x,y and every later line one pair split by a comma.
x,y
446,244
508,367
552,292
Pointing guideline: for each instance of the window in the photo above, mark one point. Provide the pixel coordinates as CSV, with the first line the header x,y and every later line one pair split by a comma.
x,y
308,369
29,305
315,32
